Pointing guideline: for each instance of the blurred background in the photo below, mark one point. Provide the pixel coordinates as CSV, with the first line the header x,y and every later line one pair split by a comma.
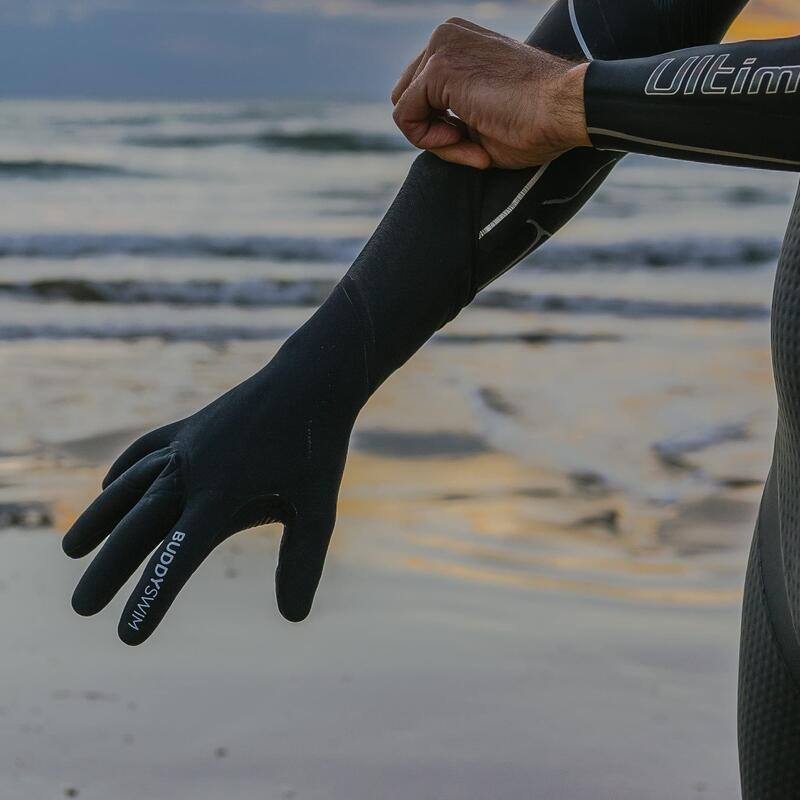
x,y
535,582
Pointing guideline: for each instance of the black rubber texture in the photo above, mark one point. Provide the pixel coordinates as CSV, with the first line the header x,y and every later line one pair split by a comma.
x,y
786,365
769,700
689,104
769,661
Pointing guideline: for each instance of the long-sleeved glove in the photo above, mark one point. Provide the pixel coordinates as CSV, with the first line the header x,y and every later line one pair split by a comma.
x,y
274,447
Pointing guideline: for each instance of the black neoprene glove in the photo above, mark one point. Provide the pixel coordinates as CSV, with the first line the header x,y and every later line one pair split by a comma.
x,y
274,448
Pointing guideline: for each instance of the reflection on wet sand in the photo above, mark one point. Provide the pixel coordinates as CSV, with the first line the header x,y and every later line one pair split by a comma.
x,y
553,536
694,597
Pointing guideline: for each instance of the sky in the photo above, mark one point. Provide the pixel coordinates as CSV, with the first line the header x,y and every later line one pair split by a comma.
x,y
246,48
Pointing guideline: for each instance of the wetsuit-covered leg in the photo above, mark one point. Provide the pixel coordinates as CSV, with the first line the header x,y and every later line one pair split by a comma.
x,y
737,104
769,665
769,692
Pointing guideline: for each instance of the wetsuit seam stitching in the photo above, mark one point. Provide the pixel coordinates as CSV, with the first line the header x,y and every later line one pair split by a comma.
x,y
363,319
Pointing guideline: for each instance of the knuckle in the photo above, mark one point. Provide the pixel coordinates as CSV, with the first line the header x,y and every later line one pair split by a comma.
x,y
436,60
438,63
441,32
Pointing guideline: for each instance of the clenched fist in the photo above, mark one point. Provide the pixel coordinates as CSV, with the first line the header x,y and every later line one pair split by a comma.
x,y
478,98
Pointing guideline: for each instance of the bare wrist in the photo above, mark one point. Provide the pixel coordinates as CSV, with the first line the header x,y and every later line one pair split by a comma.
x,y
573,108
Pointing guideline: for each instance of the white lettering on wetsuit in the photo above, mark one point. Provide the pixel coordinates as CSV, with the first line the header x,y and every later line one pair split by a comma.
x,y
152,589
709,75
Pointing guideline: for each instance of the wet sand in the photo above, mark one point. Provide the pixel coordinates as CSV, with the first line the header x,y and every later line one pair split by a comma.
x,y
404,684
534,587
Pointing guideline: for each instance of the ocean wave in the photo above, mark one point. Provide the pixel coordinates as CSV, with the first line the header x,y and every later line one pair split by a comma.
x,y
698,252
310,141
756,196
534,338
121,120
249,293
78,245
631,308
225,116
126,332
309,293
41,169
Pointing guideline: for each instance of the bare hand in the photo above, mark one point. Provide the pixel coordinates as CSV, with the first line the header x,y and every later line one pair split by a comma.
x,y
515,106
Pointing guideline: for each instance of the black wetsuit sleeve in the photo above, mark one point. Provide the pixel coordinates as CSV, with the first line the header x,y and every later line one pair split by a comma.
x,y
274,447
733,104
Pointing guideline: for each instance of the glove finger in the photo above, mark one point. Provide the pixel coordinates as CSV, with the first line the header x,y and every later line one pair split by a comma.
x,y
102,516
186,546
302,557
144,445
129,544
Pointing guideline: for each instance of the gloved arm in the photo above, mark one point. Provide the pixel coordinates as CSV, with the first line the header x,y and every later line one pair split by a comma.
x,y
729,104
274,447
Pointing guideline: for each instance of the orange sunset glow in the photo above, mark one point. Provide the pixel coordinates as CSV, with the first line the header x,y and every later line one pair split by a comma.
x,y
767,18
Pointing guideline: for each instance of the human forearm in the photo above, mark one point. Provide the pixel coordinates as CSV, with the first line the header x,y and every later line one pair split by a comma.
x,y
732,104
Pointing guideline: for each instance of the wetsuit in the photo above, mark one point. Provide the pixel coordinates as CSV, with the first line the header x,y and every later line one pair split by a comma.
x,y
274,447
740,104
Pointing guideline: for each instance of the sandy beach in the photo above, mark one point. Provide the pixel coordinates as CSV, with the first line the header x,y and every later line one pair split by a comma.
x,y
402,685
